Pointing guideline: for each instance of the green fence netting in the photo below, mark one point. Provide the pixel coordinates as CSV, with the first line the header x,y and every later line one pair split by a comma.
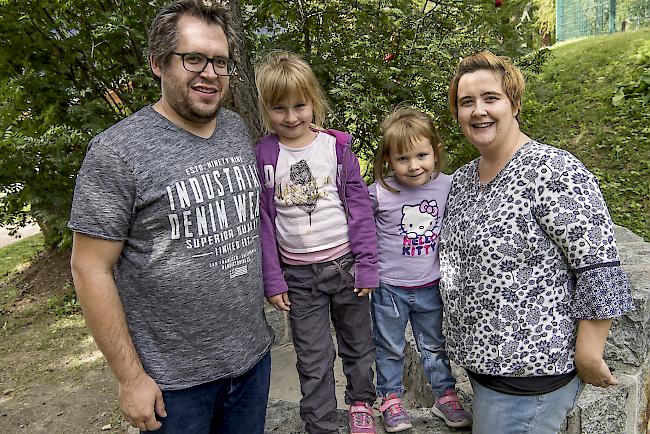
x,y
580,18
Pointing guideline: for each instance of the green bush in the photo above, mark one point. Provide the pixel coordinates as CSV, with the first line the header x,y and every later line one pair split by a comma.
x,y
575,103
68,69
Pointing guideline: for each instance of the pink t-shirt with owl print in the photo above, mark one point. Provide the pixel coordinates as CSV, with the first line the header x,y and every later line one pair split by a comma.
x,y
408,225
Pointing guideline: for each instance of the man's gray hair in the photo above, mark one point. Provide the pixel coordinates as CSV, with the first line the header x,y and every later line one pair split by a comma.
x,y
163,35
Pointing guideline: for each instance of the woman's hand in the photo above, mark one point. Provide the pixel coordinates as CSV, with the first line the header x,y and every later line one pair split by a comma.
x,y
594,370
590,345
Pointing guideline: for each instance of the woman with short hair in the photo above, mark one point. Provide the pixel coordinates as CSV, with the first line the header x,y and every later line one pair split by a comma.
x,y
531,276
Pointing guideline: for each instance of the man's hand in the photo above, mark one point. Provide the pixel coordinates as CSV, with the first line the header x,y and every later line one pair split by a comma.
x,y
362,292
140,401
280,301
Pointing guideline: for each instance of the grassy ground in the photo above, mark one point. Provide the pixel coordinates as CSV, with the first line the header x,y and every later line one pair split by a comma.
x,y
569,105
52,377
18,254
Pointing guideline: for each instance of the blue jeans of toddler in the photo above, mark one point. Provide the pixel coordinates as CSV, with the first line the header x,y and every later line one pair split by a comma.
x,y
392,308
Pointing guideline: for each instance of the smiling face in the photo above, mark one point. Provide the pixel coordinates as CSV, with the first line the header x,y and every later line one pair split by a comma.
x,y
191,97
290,119
415,166
486,115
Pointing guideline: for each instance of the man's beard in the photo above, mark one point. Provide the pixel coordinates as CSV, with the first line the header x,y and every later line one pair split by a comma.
x,y
201,113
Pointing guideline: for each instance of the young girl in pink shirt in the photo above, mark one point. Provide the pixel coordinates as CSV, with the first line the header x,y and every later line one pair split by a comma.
x,y
319,248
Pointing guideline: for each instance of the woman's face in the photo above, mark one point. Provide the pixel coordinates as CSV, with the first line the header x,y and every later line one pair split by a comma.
x,y
485,113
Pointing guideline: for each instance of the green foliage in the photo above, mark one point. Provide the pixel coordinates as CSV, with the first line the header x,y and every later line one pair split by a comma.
x,y
45,166
68,69
371,56
15,255
640,87
635,13
545,16
570,105
65,304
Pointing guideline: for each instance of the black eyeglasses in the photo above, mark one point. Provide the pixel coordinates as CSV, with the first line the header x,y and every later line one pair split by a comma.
x,y
196,62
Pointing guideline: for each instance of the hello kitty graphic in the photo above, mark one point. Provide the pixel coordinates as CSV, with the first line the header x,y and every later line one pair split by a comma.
x,y
419,220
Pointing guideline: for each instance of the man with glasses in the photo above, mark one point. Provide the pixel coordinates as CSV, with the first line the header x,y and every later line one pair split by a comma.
x,y
166,256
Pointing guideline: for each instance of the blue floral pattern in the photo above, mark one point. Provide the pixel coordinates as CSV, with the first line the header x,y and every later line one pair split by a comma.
x,y
522,258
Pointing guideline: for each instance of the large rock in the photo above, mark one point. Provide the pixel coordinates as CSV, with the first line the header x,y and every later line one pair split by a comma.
x,y
629,338
279,322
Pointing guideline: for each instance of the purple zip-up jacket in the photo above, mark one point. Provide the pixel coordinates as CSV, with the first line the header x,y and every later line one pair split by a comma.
x,y
356,201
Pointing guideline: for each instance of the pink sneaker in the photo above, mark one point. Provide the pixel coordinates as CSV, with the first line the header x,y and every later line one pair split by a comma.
x,y
395,417
449,408
360,419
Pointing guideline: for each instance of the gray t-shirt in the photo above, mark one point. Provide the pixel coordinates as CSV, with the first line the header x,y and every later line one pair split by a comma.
x,y
189,275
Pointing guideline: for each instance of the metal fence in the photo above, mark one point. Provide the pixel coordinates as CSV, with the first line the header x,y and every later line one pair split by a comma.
x,y
580,18
632,14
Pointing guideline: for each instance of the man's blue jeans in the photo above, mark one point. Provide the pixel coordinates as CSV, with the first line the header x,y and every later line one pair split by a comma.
x,y
228,406
496,412
392,308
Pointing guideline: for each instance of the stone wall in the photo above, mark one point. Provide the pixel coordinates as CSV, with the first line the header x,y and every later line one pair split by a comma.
x,y
620,409
623,409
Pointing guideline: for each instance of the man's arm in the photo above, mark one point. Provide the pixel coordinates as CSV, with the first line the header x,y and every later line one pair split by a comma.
x,y
92,265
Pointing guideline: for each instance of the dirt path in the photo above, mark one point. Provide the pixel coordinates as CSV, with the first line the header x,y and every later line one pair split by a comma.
x,y
25,232
52,377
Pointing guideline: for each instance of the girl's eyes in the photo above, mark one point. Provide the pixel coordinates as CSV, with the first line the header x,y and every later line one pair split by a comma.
x,y
420,156
298,106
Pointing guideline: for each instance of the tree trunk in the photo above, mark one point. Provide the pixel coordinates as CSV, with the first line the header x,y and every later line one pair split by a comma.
x,y
243,94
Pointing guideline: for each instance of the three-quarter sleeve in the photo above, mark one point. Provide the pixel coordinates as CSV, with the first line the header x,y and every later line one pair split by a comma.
x,y
571,210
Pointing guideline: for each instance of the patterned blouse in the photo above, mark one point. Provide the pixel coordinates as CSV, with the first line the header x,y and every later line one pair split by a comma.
x,y
522,258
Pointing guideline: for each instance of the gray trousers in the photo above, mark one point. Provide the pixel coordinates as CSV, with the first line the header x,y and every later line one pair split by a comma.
x,y
316,292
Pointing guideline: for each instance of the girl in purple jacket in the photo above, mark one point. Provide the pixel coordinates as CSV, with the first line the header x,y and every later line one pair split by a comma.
x,y
319,247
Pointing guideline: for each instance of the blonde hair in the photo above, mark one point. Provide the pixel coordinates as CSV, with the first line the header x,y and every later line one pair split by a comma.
x,y
512,80
281,74
401,130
